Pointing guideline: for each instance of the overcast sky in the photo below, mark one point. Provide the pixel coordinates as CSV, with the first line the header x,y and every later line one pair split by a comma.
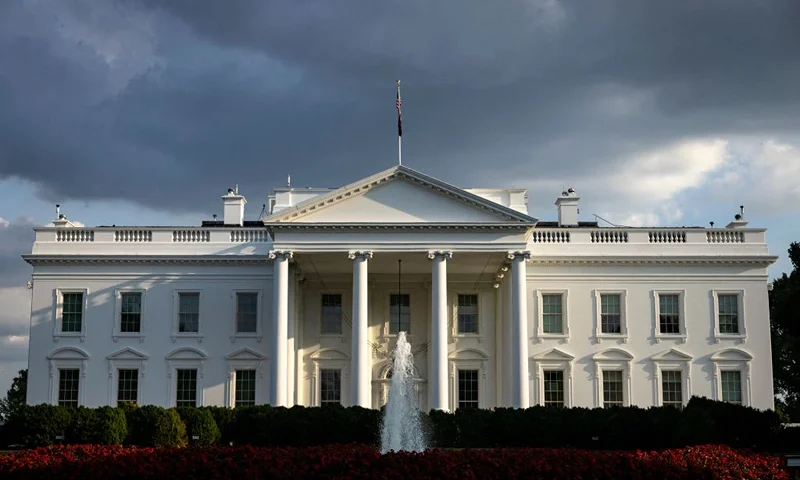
x,y
146,111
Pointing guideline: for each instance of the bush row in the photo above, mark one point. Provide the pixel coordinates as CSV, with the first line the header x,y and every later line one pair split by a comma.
x,y
702,421
90,462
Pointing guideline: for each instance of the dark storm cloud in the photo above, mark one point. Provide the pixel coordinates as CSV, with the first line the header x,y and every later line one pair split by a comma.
x,y
16,239
249,92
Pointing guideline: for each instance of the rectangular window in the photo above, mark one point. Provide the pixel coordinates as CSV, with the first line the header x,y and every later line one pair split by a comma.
x,y
246,312
331,314
552,313
728,313
330,387
672,388
611,313
127,386
245,388
669,317
186,388
467,314
553,388
400,313
732,386
130,315
189,312
72,312
467,389
613,393
68,386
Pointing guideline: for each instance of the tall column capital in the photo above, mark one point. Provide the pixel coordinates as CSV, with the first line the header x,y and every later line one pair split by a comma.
x,y
281,254
445,254
354,254
519,254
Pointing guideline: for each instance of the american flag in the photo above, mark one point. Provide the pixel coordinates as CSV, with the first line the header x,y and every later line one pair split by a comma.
x,y
399,104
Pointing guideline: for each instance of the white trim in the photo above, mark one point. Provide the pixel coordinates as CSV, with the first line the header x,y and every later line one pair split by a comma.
x,y
258,334
185,358
176,305
539,317
613,359
58,299
553,359
330,359
682,336
623,303
245,359
742,335
737,360
126,358
117,332
671,360
467,359
68,358
453,309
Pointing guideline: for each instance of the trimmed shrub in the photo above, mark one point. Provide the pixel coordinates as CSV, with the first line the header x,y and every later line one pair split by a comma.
x,y
225,419
39,425
152,426
199,423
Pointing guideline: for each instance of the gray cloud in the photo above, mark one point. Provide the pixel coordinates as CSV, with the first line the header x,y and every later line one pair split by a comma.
x,y
16,238
247,92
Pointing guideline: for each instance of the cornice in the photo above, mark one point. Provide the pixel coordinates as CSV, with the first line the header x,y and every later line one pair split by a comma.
x,y
147,259
417,227
763,261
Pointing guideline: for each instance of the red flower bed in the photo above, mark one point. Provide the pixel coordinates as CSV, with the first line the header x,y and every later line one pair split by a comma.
x,y
88,462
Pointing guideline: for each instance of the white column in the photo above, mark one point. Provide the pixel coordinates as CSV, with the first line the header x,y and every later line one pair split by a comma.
x,y
361,388
519,330
279,328
438,375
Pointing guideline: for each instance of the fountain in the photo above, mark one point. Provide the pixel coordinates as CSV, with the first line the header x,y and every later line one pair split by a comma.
x,y
402,425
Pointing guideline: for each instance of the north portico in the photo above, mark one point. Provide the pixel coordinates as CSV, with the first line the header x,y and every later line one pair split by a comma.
x,y
400,250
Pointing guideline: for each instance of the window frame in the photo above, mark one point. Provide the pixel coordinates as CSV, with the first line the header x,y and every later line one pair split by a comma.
x,y
245,359
258,334
341,385
456,333
553,359
118,333
539,317
58,306
598,317
467,359
457,399
185,358
341,317
68,358
682,335
197,400
613,359
740,305
672,359
126,359
330,359
176,313
733,359
389,333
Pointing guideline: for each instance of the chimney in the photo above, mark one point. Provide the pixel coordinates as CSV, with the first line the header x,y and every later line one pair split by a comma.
x,y
568,209
738,220
233,213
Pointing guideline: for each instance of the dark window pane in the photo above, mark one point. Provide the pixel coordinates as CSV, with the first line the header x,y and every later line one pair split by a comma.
x,y
246,312
467,314
330,387
467,389
331,315
130,315
186,388
68,386
400,313
188,312
245,388
554,388
613,392
72,312
127,386
552,314
611,313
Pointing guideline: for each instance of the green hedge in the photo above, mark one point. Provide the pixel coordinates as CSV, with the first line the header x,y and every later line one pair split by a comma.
x,y
702,421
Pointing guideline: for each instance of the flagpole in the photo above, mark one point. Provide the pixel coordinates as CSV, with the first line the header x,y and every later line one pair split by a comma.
x,y
399,128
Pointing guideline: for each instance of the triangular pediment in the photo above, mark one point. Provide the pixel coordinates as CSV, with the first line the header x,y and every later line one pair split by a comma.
x,y
329,354
127,353
672,355
399,195
245,353
554,355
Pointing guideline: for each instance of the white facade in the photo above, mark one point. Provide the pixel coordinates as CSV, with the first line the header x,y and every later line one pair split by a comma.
x,y
501,309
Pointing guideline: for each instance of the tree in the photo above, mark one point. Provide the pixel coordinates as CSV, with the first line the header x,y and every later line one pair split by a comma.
x,y
784,310
15,398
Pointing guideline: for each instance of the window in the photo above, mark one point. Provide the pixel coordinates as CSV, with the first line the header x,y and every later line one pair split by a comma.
x,y
554,388
731,381
72,312
728,305
552,313
672,388
467,313
127,386
186,388
130,317
188,312
245,388
246,312
669,318
68,386
330,387
610,313
613,393
331,314
467,389
400,313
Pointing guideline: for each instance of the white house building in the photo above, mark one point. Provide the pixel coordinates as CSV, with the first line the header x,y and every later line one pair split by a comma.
x,y
303,306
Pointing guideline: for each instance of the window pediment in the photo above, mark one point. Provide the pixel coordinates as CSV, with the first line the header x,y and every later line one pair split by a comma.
x,y
127,353
613,354
68,353
187,353
554,354
468,354
672,355
731,355
245,353
329,354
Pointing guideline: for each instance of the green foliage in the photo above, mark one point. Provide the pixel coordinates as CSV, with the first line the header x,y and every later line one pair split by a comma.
x,y
784,305
225,418
151,426
199,423
100,426
15,398
39,425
